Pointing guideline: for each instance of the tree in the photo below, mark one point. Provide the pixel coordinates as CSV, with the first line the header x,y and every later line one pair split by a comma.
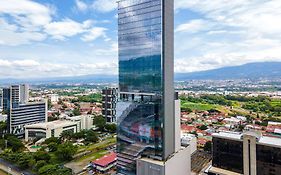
x,y
52,139
47,170
23,161
40,164
49,104
110,127
99,121
3,128
76,112
42,155
66,151
52,147
66,135
203,127
91,136
208,146
14,143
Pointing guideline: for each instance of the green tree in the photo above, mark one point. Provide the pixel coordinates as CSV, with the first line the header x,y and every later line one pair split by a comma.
x,y
65,151
91,136
42,155
48,170
110,127
66,135
14,143
76,112
3,128
99,121
203,127
40,164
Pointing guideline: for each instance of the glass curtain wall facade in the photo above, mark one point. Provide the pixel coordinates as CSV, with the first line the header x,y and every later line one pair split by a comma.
x,y
141,126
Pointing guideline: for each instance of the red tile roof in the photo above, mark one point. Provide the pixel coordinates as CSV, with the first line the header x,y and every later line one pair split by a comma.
x,y
106,160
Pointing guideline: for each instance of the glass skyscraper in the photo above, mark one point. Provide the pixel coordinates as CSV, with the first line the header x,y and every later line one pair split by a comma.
x,y
146,125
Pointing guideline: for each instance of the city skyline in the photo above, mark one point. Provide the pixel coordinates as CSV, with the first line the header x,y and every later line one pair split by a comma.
x,y
34,41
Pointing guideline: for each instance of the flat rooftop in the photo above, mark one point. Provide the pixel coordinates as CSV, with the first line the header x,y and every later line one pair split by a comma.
x,y
51,125
265,140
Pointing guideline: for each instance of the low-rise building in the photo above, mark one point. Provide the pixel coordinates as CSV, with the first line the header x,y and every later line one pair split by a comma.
x,y
84,121
49,129
105,163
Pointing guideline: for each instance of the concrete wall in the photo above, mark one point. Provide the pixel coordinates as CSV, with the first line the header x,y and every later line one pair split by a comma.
x,y
179,164
177,125
145,167
168,76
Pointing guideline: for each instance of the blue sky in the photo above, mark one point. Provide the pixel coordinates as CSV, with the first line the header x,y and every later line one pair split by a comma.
x,y
47,38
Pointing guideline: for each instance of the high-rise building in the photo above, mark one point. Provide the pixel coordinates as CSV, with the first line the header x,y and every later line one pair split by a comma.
x,y
109,100
14,95
24,93
6,99
1,100
146,128
24,114
247,153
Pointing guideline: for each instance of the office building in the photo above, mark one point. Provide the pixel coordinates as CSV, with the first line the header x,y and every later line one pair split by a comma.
x,y
6,99
1,100
24,114
49,129
148,130
109,100
14,95
247,153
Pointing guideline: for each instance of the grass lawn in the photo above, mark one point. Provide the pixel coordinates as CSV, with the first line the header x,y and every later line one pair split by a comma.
x,y
198,106
275,103
93,156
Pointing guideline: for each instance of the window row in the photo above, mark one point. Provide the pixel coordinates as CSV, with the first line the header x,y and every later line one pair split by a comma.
x,y
139,11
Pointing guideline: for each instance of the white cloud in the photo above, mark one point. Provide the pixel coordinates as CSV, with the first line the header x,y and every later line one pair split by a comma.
x,y
232,33
65,28
26,69
82,6
10,35
26,12
21,21
104,5
94,33
194,26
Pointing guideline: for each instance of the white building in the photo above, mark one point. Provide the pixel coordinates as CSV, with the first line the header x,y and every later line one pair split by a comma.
x,y
84,121
49,129
54,98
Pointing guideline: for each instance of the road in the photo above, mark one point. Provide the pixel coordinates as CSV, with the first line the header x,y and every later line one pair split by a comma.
x,y
14,170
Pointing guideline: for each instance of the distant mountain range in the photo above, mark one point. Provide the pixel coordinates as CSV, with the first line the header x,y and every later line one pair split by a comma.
x,y
246,71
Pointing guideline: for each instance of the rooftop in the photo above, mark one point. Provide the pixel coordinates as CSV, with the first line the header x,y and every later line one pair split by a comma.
x,y
106,160
52,124
272,141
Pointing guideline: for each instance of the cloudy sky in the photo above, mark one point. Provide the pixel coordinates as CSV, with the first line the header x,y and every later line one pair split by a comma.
x,y
46,38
